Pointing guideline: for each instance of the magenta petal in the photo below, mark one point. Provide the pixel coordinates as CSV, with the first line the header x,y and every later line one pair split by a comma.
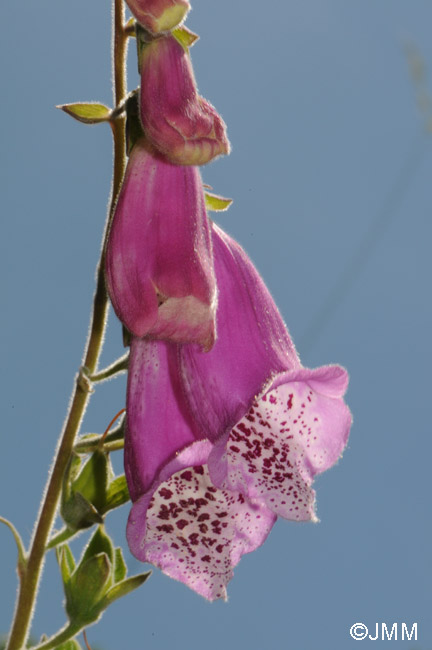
x,y
253,344
158,423
182,125
296,430
193,531
328,380
159,264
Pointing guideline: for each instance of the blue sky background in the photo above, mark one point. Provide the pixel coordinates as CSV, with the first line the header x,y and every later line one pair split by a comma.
x,y
331,175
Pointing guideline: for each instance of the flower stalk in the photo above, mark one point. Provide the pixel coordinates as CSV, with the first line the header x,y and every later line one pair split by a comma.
x,y
121,365
31,573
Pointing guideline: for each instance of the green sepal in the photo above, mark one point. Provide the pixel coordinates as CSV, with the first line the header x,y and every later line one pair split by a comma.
x,y
72,644
78,513
185,36
66,562
71,473
120,568
126,335
97,581
129,27
92,481
216,203
84,490
134,132
123,588
117,494
99,543
143,38
87,113
86,589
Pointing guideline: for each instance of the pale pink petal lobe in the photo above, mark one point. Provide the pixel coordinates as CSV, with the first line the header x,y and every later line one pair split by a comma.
x,y
195,532
289,435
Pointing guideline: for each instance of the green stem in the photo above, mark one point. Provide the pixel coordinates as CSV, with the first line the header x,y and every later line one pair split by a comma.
x,y
108,447
64,635
30,579
61,537
90,442
114,369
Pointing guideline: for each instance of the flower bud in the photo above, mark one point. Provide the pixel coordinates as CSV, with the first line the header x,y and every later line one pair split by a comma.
x,y
159,261
185,127
159,15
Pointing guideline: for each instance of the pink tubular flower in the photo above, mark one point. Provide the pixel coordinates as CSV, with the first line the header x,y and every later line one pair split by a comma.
x,y
219,444
181,124
159,263
159,15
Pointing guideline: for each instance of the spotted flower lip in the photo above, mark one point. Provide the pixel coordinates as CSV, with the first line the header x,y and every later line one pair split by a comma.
x,y
185,127
159,262
252,429
275,424
159,15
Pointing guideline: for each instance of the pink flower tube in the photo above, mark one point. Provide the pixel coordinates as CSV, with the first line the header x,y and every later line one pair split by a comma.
x,y
181,124
159,15
243,430
159,263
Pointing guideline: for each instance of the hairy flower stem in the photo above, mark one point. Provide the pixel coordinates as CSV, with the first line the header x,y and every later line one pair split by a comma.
x,y
61,637
121,365
30,576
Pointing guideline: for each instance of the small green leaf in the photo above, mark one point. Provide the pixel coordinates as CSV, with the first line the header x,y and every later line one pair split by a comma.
x,y
123,588
69,645
88,113
120,568
117,494
19,544
216,203
184,36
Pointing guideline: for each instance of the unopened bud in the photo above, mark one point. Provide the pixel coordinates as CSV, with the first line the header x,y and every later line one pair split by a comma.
x,y
183,126
159,15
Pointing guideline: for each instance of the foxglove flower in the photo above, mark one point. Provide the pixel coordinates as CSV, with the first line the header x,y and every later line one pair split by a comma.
x,y
219,444
159,15
159,264
181,124
271,446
